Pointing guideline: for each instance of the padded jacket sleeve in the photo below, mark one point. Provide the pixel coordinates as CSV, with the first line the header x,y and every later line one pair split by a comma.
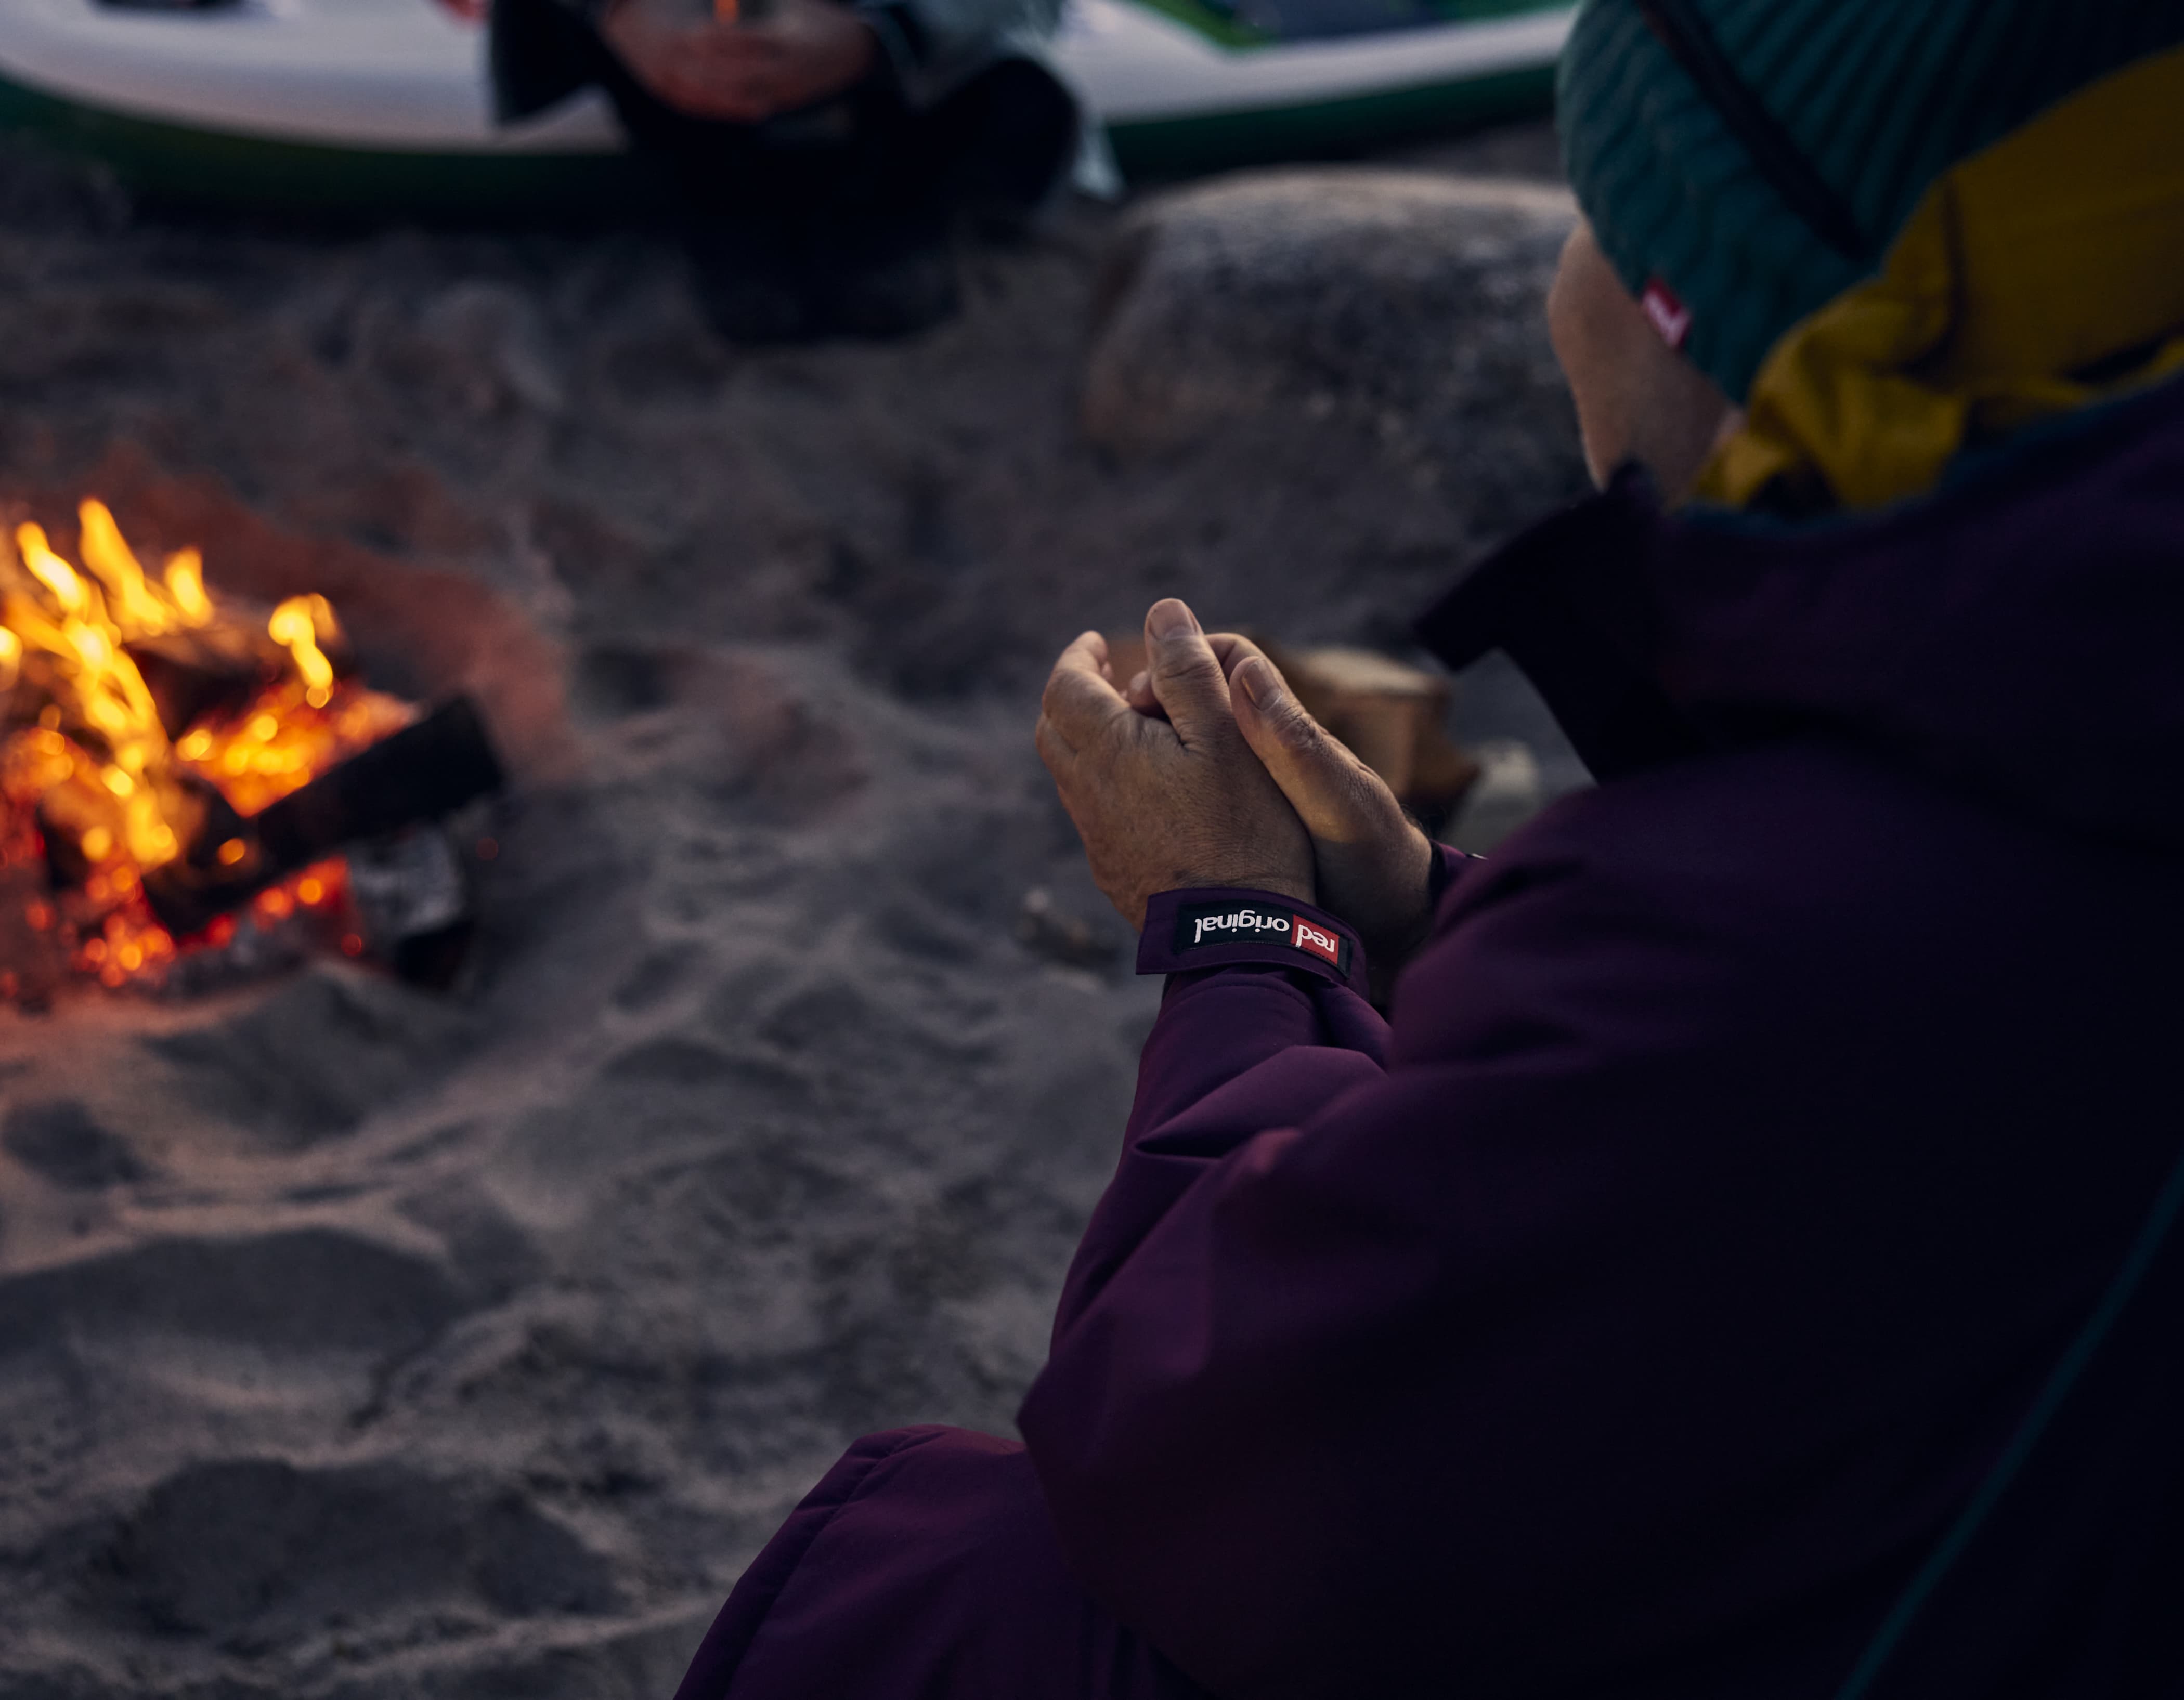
x,y
1631,1309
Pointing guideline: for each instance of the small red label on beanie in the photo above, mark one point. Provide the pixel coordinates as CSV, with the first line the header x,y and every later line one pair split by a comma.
x,y
1670,316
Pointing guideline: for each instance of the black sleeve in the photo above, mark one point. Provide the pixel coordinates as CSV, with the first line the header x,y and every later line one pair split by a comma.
x,y
541,52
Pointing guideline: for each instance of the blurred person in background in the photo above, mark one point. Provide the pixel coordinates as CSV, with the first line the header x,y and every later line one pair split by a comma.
x,y
822,150
1743,1261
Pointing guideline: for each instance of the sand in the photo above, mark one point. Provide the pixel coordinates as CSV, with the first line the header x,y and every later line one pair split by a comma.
x,y
359,1340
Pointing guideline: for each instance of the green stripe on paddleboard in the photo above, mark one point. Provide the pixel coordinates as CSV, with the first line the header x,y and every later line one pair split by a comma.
x,y
1217,141
1218,27
170,159
1218,23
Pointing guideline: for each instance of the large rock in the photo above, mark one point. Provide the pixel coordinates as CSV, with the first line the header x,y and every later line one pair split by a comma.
x,y
1409,304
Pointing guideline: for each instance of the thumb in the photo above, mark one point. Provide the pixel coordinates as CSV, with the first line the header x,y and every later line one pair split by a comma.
x,y
1337,797
1183,674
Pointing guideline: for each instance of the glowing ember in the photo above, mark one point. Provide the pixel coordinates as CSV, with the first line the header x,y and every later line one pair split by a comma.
x,y
131,704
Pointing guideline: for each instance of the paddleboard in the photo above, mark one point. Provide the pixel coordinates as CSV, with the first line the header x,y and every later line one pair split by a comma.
x,y
385,102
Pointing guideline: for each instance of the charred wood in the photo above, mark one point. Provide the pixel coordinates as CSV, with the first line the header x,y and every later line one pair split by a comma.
x,y
193,676
423,772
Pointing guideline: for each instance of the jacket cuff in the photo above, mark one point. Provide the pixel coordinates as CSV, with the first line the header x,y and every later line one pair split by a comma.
x,y
1222,927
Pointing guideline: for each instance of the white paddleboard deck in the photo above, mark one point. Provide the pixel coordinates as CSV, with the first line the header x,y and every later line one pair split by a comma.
x,y
410,75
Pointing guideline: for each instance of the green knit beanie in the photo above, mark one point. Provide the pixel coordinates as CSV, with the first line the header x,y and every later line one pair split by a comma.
x,y
1755,157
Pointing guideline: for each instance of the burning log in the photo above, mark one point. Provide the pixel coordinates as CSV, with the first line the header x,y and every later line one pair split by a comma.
x,y
420,773
210,673
203,675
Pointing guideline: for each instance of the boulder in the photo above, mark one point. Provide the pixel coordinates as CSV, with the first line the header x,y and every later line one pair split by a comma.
x,y
1408,304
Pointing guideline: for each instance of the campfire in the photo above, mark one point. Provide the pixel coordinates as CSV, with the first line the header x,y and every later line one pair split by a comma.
x,y
178,771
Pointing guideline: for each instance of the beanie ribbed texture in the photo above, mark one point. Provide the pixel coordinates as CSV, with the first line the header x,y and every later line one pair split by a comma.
x,y
1881,96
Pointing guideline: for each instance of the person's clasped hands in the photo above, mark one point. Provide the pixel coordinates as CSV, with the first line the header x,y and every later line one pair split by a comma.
x,y
1206,770
741,70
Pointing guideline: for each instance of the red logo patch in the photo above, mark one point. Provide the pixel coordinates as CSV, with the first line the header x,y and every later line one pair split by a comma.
x,y
1669,316
1306,936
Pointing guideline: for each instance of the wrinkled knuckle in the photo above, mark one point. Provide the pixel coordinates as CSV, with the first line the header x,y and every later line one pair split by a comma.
x,y
1181,664
1365,793
1296,729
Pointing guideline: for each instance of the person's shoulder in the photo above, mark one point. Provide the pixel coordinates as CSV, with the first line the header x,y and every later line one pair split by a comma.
x,y
1798,883
1814,828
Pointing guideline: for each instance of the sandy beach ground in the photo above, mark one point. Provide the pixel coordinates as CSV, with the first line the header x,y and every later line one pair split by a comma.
x,y
360,1340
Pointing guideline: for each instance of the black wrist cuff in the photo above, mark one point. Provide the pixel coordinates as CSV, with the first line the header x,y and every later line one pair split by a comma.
x,y
1218,927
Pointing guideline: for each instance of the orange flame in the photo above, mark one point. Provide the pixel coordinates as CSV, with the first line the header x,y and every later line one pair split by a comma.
x,y
97,687
85,754
296,625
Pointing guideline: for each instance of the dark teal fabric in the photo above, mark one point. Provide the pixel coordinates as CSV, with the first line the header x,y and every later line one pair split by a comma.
x,y
1880,95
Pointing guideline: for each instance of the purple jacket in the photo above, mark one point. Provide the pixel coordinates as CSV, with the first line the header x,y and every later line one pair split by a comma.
x,y
1636,1312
